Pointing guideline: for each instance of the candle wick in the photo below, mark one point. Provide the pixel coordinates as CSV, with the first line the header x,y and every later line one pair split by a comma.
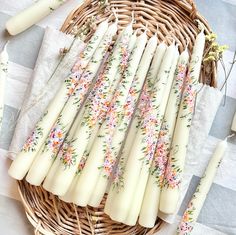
x,y
187,44
156,30
132,19
136,31
230,136
5,46
114,11
201,26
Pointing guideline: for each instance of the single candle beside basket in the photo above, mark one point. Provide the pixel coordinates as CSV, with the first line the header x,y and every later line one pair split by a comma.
x,y
121,142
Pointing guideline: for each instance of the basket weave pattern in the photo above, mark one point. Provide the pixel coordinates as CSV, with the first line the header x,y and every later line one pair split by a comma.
x,y
175,19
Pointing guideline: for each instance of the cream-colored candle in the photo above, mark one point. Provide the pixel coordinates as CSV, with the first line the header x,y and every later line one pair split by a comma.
x,y
134,211
113,149
90,173
117,181
196,203
150,204
32,15
233,126
49,150
170,192
143,146
24,159
90,121
3,75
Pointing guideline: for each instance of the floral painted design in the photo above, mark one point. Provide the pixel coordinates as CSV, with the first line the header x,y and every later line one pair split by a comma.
x,y
189,94
165,137
161,154
73,80
67,155
151,123
116,115
188,100
178,84
32,141
186,225
71,83
114,111
84,56
55,138
172,173
82,163
88,76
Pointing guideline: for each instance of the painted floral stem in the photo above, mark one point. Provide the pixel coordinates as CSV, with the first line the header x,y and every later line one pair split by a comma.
x,y
142,149
170,191
95,160
196,203
149,209
113,148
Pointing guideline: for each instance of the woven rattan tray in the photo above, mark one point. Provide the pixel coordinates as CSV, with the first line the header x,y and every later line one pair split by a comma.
x,y
175,18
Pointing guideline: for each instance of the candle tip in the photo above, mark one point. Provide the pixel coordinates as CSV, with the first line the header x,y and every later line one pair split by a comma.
x,y
200,25
136,31
5,46
132,17
157,29
114,11
229,136
187,44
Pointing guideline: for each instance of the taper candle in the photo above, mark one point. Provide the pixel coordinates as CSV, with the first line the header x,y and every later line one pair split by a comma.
x,y
32,15
90,173
150,204
113,148
170,191
93,116
24,159
196,203
3,75
59,130
142,149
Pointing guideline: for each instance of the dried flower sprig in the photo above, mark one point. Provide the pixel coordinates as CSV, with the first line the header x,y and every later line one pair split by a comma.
x,y
214,51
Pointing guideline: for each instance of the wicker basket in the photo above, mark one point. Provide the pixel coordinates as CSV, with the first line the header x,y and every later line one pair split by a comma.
x,y
175,18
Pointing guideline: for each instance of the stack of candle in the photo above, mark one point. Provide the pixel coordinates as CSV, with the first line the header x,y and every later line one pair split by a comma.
x,y
32,146
117,119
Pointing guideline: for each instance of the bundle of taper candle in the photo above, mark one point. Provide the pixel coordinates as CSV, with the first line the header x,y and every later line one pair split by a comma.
x,y
120,122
